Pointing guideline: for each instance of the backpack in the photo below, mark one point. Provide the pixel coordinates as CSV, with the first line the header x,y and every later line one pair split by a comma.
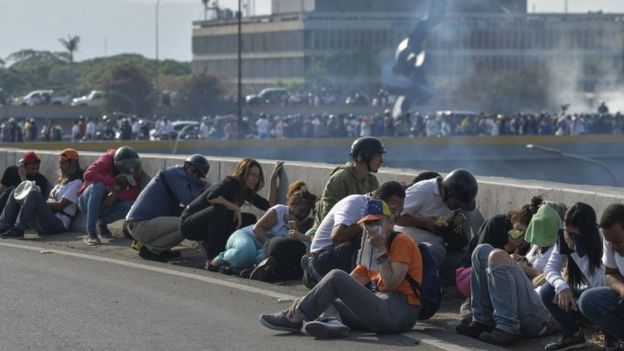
x,y
430,293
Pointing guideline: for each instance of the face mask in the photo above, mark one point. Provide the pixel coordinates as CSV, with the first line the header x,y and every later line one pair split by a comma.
x,y
374,229
515,234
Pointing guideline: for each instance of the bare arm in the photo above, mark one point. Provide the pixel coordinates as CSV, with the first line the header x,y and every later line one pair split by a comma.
x,y
264,225
615,280
341,233
58,205
392,273
359,278
277,170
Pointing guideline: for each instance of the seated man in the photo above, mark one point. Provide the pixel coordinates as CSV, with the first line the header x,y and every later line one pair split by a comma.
x,y
338,238
111,184
154,219
430,204
27,168
343,301
604,306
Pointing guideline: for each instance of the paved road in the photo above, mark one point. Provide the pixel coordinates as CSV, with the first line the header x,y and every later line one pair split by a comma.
x,y
57,302
62,295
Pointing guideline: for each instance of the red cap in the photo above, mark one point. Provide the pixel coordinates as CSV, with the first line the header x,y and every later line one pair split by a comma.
x,y
29,158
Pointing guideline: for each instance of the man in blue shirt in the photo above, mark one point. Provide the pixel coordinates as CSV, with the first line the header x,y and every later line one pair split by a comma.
x,y
154,218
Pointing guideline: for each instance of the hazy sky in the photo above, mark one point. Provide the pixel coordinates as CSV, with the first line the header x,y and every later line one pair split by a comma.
x,y
117,26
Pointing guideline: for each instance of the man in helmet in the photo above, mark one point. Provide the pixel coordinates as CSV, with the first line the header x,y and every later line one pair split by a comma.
x,y
154,218
430,204
111,184
355,177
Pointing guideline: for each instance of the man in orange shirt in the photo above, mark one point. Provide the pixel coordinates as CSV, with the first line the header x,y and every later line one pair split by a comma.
x,y
345,302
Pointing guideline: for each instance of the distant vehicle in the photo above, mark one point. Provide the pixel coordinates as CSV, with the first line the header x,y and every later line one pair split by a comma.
x,y
95,98
448,113
189,130
43,97
269,96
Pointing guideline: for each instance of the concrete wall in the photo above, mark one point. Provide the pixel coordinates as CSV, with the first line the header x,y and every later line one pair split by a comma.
x,y
496,195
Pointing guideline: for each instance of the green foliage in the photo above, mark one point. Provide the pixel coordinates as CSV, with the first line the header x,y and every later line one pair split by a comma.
x,y
71,45
27,70
129,90
200,96
507,91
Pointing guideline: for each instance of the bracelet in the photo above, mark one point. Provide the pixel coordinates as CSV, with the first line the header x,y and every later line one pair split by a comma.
x,y
382,259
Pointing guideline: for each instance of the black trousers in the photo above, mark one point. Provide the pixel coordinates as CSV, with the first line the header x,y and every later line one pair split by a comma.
x,y
213,226
287,252
342,256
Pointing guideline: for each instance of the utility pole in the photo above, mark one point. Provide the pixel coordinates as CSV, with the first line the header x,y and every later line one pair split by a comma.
x,y
239,17
157,61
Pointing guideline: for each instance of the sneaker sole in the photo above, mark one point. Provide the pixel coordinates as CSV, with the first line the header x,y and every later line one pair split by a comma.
x,y
277,327
321,331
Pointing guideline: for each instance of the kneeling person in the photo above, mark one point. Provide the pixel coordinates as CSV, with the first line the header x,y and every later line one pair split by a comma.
x,y
154,218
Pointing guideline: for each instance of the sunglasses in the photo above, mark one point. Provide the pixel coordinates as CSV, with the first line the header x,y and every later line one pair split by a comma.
x,y
516,233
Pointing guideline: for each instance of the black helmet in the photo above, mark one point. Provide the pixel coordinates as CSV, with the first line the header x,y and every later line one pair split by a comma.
x,y
200,163
363,149
461,186
126,160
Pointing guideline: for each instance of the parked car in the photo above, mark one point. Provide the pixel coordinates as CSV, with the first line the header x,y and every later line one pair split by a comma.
x,y
43,97
269,96
94,98
189,130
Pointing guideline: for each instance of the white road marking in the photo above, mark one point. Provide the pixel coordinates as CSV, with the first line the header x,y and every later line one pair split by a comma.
x,y
421,337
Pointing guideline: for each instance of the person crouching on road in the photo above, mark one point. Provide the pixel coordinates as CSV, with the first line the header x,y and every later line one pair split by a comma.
x,y
345,301
244,248
51,216
216,213
154,219
112,183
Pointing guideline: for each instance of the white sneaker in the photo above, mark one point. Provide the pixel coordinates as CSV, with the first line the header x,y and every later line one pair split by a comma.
x,y
92,240
325,329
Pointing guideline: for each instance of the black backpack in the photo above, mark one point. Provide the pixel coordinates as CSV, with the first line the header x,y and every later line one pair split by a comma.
x,y
430,293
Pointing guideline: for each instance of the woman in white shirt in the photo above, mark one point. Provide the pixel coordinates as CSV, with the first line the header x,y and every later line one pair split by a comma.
x,y
580,246
51,216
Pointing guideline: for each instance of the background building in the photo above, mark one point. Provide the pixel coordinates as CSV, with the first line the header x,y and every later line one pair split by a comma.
x,y
583,50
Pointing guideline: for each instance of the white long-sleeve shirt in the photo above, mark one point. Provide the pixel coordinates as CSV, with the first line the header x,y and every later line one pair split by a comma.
x,y
557,261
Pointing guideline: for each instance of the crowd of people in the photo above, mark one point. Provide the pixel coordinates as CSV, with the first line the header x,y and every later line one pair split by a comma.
x,y
371,254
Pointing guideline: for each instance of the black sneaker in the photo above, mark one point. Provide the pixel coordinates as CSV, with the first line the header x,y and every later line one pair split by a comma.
x,y
264,270
473,329
326,329
568,342
148,255
280,321
170,255
104,231
13,233
499,337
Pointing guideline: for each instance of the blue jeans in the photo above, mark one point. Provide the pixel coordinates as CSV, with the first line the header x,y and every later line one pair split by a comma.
x,y
34,212
90,203
502,295
570,320
241,251
603,307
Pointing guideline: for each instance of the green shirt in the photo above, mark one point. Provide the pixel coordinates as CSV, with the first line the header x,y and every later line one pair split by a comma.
x,y
342,182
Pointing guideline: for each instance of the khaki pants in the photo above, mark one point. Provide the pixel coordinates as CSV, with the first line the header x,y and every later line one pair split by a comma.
x,y
157,234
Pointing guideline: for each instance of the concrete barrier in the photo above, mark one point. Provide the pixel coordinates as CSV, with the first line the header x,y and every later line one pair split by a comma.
x,y
496,195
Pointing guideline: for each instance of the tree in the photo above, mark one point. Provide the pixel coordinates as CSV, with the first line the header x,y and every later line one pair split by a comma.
x,y
201,95
71,45
129,90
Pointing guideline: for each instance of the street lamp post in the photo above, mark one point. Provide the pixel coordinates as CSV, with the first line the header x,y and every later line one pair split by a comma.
x,y
575,157
239,17
157,61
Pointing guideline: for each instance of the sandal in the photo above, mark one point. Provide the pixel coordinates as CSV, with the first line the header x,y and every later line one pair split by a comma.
x,y
225,268
213,265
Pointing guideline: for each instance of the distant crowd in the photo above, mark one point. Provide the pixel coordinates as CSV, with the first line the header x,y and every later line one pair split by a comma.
x,y
372,255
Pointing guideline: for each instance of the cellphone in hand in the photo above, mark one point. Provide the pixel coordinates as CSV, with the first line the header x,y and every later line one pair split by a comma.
x,y
292,225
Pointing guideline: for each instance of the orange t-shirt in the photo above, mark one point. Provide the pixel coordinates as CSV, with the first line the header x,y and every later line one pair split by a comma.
x,y
403,250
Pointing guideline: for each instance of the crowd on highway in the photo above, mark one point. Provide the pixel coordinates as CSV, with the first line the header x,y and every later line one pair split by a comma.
x,y
373,255
267,126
